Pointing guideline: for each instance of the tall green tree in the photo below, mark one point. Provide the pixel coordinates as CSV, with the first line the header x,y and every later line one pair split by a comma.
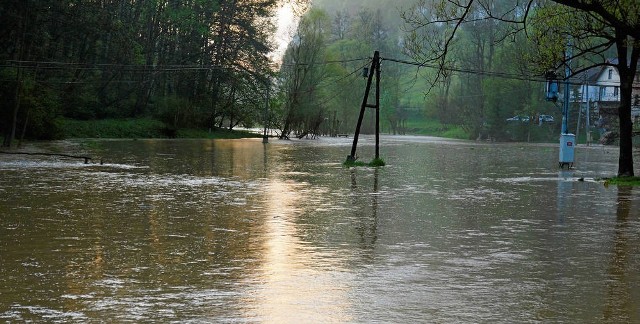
x,y
302,73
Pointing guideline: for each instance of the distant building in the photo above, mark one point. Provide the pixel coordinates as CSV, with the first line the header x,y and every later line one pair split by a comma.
x,y
600,86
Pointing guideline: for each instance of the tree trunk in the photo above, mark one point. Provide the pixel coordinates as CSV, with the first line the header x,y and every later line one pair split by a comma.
x,y
627,73
625,161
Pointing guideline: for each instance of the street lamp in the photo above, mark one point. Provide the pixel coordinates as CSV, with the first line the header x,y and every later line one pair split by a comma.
x,y
552,86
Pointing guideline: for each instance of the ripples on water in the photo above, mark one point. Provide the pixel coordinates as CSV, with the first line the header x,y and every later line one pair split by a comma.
x,y
235,231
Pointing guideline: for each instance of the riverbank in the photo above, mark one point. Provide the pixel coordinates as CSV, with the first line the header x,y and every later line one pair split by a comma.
x,y
140,128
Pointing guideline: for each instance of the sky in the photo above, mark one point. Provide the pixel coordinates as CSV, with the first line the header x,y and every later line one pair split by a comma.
x,y
286,25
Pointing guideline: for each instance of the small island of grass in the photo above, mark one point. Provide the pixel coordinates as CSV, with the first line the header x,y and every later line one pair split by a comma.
x,y
355,163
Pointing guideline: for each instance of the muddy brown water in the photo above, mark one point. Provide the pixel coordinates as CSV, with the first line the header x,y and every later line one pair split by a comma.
x,y
239,231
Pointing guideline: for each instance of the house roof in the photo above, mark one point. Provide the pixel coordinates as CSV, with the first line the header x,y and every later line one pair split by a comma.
x,y
591,74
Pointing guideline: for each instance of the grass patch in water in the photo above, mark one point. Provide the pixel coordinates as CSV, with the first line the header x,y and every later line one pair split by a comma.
x,y
623,181
374,163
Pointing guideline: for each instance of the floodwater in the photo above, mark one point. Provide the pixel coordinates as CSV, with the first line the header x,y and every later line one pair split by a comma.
x,y
238,231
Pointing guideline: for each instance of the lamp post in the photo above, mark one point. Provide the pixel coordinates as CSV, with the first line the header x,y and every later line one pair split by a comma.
x,y
567,140
551,86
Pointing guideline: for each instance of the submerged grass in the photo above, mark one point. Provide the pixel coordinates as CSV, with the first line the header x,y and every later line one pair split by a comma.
x,y
374,163
623,181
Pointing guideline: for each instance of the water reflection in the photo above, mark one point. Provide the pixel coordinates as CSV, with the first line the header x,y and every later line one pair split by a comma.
x,y
618,307
291,264
564,199
365,203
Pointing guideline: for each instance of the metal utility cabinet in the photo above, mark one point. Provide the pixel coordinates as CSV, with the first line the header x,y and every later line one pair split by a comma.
x,y
567,148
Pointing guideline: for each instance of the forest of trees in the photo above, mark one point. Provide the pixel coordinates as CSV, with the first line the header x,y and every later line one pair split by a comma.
x,y
206,63
196,63
322,81
485,81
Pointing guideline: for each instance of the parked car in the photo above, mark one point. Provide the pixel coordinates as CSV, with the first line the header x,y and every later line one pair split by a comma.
x,y
547,118
524,119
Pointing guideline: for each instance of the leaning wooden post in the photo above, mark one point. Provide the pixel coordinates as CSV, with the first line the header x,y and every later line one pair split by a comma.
x,y
375,64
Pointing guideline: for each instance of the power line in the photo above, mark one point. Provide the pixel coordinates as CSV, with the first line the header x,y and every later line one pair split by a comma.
x,y
162,68
357,70
132,68
325,62
503,75
344,89
44,65
53,65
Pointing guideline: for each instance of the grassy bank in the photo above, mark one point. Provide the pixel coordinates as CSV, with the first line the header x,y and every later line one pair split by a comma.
x,y
623,181
435,128
518,132
138,128
215,133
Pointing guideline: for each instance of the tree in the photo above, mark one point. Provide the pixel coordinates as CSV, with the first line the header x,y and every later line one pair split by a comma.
x,y
302,73
594,27
180,61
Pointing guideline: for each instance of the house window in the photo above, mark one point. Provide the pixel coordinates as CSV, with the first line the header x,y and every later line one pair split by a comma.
x,y
615,91
610,74
603,92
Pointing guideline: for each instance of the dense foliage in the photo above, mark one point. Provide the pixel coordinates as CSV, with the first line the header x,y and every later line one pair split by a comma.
x,y
188,63
321,79
484,83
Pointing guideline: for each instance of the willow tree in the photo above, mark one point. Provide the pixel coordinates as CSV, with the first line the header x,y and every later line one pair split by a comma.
x,y
302,72
595,27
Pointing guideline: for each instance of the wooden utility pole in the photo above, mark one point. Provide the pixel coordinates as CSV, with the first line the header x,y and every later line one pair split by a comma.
x,y
375,70
267,87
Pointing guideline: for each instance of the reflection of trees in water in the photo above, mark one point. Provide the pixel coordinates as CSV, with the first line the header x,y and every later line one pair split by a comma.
x,y
366,218
619,307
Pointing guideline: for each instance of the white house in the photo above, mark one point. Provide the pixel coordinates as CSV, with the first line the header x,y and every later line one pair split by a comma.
x,y
588,90
608,83
598,84
600,88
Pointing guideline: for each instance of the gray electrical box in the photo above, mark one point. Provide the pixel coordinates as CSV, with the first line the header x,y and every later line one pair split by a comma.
x,y
567,150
